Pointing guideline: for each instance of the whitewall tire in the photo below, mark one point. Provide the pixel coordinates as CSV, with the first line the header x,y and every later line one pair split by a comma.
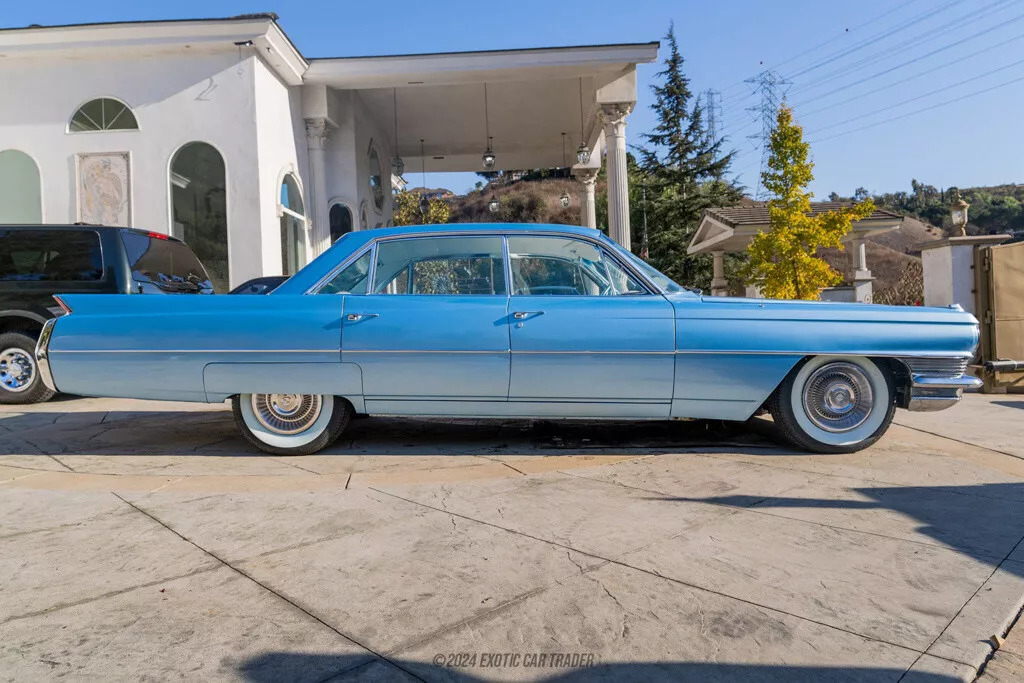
x,y
834,404
291,424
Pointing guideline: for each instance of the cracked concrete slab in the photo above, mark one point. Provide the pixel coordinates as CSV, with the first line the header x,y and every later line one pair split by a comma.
x,y
897,543
621,615
211,626
396,585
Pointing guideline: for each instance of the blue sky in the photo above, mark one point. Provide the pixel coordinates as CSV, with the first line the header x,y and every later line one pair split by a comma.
x,y
975,141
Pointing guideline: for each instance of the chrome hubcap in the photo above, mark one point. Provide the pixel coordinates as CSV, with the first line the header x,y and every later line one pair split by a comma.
x,y
286,413
837,397
17,369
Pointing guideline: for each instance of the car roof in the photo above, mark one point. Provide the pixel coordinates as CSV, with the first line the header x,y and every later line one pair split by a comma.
x,y
524,228
83,226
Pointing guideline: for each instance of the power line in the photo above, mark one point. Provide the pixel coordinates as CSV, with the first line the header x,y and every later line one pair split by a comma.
x,y
882,36
844,34
920,111
907,63
908,78
905,45
919,97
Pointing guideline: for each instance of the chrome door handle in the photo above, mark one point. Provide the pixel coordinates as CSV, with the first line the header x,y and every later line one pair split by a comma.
x,y
521,315
352,317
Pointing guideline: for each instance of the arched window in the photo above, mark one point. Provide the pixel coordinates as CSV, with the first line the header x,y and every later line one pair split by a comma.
x,y
341,221
293,226
199,207
21,199
103,113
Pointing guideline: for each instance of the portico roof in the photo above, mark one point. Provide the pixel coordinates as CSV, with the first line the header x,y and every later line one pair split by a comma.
x,y
533,96
732,228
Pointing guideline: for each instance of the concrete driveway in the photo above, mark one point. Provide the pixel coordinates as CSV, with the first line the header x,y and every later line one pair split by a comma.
x,y
144,541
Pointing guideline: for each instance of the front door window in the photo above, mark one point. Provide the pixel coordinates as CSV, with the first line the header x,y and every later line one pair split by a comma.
x,y
557,266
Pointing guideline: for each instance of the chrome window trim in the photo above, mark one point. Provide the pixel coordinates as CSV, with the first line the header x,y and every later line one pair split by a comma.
x,y
652,287
446,235
331,274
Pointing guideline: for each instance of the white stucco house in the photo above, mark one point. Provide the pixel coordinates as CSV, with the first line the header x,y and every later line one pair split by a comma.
x,y
221,132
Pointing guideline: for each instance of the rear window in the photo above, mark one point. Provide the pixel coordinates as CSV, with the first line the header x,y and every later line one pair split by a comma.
x,y
50,256
168,264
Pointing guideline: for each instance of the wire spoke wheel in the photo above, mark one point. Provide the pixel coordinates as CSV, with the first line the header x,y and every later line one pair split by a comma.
x,y
837,397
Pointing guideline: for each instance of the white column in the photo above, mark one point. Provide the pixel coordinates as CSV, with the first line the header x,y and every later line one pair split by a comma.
x,y
588,211
862,279
614,117
317,132
719,285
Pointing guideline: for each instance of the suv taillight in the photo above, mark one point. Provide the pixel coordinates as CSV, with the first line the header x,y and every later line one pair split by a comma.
x,y
63,306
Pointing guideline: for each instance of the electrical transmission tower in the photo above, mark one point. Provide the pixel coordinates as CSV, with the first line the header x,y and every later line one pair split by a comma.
x,y
771,87
713,110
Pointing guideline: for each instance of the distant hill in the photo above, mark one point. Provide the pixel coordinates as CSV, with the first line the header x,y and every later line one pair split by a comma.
x,y
537,201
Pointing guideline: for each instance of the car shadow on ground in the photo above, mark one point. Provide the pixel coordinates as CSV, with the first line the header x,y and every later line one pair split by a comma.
x,y
1009,404
213,433
953,516
294,666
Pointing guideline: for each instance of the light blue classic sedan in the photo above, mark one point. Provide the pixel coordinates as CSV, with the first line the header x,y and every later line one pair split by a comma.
x,y
509,321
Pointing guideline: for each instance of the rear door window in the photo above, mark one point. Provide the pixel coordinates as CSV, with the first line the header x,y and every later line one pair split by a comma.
x,y
50,256
167,264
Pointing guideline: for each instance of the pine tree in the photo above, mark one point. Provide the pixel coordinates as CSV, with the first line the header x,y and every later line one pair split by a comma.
x,y
681,165
783,261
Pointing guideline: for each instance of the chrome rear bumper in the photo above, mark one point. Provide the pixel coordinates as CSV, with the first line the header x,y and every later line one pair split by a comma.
x,y
938,393
42,354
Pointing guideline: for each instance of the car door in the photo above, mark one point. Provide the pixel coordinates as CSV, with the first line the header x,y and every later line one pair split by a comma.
x,y
433,324
585,331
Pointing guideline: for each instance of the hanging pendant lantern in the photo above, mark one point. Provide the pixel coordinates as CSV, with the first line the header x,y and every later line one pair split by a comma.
x,y
582,152
397,165
488,157
565,199
424,202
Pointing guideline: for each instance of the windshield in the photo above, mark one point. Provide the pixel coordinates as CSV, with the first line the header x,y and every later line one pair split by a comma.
x,y
658,278
168,264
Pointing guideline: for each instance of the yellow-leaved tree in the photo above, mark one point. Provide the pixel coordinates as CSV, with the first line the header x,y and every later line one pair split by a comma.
x,y
783,261
407,210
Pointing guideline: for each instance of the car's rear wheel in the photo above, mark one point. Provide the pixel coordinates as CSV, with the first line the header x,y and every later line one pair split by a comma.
x,y
291,424
834,404
20,382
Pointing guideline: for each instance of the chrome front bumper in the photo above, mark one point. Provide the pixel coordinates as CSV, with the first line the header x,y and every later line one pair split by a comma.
x,y
938,393
42,354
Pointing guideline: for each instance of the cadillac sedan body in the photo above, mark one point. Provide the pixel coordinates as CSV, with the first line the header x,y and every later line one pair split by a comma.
x,y
503,321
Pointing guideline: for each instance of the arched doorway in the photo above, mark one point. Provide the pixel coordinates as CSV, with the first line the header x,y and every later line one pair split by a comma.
x,y
340,220
293,226
21,198
199,207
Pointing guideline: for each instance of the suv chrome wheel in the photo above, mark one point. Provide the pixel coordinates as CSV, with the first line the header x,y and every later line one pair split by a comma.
x,y
17,369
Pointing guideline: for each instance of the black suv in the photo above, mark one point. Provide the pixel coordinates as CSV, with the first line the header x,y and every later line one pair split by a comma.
x,y
39,261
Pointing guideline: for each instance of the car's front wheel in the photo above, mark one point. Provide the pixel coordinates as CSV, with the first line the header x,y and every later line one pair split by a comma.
x,y
20,382
291,424
834,404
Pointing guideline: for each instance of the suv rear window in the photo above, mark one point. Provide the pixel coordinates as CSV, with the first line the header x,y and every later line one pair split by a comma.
x,y
168,264
50,255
